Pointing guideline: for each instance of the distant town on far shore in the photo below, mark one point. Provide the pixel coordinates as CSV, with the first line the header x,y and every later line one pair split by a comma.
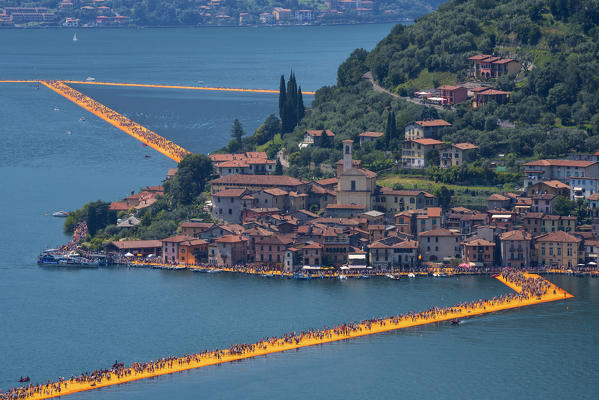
x,y
126,13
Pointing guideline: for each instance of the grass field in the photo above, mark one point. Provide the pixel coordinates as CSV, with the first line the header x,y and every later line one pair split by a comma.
x,y
467,196
276,140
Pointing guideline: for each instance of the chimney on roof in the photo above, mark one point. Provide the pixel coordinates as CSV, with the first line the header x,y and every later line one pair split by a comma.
x,y
347,154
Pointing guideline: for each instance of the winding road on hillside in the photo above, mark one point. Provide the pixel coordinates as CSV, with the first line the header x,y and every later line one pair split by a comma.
x,y
378,88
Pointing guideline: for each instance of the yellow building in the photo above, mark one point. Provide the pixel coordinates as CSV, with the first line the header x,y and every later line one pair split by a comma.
x,y
559,249
388,200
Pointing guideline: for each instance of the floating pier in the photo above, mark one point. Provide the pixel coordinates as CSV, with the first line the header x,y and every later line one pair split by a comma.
x,y
294,341
149,85
141,133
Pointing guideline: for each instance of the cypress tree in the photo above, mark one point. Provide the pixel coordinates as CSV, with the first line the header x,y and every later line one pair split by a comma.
x,y
278,168
282,97
388,129
393,125
291,104
236,133
301,111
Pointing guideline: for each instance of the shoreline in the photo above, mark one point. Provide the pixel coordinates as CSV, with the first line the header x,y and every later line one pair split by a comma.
x,y
138,27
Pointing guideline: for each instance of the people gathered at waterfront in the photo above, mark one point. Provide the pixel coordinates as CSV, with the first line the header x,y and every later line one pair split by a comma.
x,y
529,288
172,150
79,233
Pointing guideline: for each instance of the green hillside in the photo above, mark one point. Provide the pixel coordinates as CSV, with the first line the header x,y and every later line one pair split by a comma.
x,y
554,100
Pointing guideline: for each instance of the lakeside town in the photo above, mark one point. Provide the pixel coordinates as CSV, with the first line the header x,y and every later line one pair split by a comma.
x,y
257,218
106,13
263,220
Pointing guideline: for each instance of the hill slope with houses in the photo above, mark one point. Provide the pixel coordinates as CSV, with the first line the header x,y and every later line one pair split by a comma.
x,y
511,120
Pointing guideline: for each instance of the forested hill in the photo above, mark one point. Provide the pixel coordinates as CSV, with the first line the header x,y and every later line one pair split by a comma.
x,y
554,100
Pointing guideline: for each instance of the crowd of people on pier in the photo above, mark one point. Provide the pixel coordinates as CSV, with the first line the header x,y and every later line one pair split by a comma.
x,y
529,287
79,233
145,135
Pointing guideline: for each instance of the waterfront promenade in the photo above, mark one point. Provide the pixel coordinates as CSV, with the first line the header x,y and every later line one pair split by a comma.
x,y
530,290
152,139
332,273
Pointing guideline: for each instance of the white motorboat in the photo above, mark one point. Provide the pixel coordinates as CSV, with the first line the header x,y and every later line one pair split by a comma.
x,y
411,275
61,214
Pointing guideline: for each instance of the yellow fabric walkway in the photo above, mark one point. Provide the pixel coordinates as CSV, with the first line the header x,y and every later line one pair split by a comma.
x,y
273,345
152,139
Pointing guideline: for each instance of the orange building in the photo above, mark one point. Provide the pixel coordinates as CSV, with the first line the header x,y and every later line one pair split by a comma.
x,y
480,252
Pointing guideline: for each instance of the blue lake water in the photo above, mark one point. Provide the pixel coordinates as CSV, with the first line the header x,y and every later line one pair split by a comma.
x,y
58,322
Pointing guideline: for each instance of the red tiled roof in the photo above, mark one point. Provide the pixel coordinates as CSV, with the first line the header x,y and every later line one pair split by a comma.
x,y
136,244
515,235
368,173
371,134
450,87
555,184
232,164
439,232
269,180
203,225
328,181
560,163
479,57
194,242
230,239
558,236
318,133
497,197
427,141
433,122
504,61
346,207
479,242
276,192
119,206
177,239
493,92
230,193
465,146
314,245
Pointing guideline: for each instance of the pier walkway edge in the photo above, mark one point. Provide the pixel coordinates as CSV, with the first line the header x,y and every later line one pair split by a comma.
x,y
274,345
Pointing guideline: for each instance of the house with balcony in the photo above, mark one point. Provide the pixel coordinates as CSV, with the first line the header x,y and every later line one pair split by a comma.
x,y
414,151
516,249
439,244
368,136
320,138
393,252
452,94
479,252
558,249
485,66
562,170
425,129
457,154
